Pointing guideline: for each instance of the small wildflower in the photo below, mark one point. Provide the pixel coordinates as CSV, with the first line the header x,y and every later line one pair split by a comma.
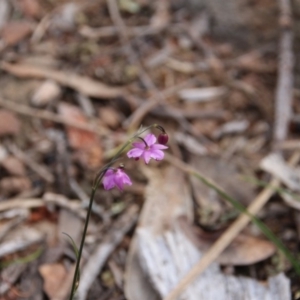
x,y
147,149
163,138
115,177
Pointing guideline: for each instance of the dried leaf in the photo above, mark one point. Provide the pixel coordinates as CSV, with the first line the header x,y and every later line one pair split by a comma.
x,y
53,275
48,91
19,239
82,84
203,94
64,19
244,250
13,166
9,123
78,139
15,31
232,127
274,164
88,143
161,18
227,176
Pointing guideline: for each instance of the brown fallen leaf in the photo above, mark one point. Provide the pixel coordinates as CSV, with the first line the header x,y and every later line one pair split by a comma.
x,y
53,275
228,177
78,139
87,143
14,31
82,84
9,123
244,250
45,93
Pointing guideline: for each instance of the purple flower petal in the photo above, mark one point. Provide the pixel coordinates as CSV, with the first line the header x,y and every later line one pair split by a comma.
x,y
139,145
114,178
119,182
109,172
108,180
126,179
135,152
159,147
147,156
150,139
157,154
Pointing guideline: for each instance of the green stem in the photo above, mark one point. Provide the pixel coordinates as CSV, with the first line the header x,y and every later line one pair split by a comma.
x,y
75,281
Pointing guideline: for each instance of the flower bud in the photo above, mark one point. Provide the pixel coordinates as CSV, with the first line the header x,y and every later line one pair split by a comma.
x,y
163,138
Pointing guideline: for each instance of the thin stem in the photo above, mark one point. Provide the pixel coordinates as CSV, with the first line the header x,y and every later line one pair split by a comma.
x,y
73,289
96,183
143,141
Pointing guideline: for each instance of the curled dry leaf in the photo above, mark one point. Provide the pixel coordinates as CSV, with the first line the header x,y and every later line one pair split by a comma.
x,y
45,93
82,84
9,123
244,250
275,165
53,276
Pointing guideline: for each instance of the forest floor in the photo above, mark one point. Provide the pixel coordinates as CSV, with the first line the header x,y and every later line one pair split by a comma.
x,y
77,80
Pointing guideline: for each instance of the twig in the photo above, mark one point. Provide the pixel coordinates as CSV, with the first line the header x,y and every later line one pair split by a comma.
x,y
229,235
285,80
49,116
82,84
152,102
37,168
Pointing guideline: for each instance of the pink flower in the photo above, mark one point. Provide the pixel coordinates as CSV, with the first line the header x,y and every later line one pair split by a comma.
x,y
116,178
147,149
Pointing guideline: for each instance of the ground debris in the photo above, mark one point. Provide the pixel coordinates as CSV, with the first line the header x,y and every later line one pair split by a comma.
x,y
78,78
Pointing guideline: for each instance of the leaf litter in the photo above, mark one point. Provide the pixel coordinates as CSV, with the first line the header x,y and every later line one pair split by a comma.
x,y
74,84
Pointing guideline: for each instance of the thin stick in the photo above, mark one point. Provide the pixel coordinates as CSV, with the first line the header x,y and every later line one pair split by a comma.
x,y
230,234
49,116
285,80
